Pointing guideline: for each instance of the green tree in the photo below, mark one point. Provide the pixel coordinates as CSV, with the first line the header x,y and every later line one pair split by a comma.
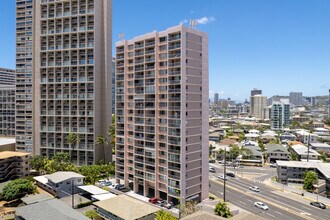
x,y
295,125
38,163
310,178
163,215
222,210
73,139
17,189
326,121
92,173
188,208
60,162
235,151
92,214
111,134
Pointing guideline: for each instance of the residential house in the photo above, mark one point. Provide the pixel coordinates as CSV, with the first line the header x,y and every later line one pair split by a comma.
x,y
302,152
61,184
52,209
126,207
276,152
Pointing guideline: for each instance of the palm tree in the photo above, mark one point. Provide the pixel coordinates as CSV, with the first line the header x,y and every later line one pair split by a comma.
x,y
73,140
111,133
100,140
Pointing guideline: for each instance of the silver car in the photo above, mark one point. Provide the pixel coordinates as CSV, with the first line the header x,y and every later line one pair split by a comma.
x,y
261,205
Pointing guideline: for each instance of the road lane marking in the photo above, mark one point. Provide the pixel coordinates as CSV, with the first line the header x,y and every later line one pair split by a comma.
x,y
242,202
275,203
308,208
278,212
270,215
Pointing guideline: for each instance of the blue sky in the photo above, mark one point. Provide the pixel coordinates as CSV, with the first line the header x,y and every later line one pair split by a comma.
x,y
274,45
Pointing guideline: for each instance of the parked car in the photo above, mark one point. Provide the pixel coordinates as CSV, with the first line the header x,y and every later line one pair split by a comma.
x,y
166,204
274,165
154,200
222,177
101,182
261,205
119,187
211,161
230,174
319,205
212,170
108,183
254,188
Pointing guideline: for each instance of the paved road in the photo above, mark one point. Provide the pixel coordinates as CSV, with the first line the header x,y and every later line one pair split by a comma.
x,y
280,207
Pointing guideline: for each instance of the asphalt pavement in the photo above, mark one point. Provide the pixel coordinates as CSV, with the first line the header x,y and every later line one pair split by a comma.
x,y
280,207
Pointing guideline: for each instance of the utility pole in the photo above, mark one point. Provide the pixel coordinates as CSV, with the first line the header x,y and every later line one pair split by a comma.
x,y
308,143
72,192
224,178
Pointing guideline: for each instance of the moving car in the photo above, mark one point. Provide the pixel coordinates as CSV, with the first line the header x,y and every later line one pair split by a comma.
x,y
319,205
230,174
212,170
154,200
222,177
261,205
254,188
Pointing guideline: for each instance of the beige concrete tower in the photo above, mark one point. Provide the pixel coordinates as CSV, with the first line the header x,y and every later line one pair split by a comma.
x,y
24,36
162,114
72,77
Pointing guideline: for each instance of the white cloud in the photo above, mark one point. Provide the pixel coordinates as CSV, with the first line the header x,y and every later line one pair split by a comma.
x,y
205,20
183,22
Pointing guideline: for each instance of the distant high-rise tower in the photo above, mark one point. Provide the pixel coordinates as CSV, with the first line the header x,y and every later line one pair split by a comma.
x,y
280,114
256,92
7,102
162,114
63,74
296,98
24,74
257,105
216,98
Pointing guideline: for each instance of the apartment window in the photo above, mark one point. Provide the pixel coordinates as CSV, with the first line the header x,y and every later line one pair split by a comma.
x,y
162,39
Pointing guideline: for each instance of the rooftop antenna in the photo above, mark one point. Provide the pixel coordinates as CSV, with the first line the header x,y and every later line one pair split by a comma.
x,y
121,36
193,23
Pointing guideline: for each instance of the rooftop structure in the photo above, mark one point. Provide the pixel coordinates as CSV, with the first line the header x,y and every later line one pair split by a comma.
x,y
7,77
48,209
125,207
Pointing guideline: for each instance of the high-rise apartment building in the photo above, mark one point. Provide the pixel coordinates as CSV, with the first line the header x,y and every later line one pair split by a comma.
x,y
71,76
216,98
257,106
162,114
7,76
24,38
296,98
7,110
113,86
256,92
280,114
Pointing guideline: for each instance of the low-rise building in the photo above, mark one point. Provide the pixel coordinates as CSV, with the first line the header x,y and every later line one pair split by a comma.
x,y
302,152
7,144
306,137
276,152
126,207
287,136
51,209
293,172
61,184
13,165
321,147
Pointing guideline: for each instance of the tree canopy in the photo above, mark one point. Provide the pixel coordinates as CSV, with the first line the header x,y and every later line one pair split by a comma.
x,y
222,210
17,189
310,178
163,215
